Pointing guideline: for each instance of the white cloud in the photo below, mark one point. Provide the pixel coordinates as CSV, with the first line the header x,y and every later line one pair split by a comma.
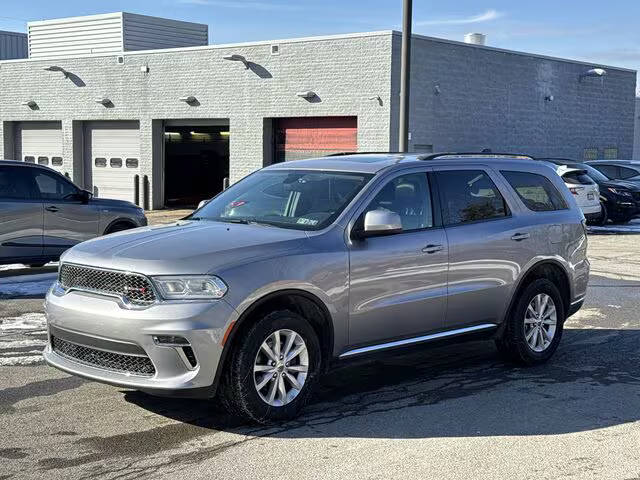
x,y
242,4
482,17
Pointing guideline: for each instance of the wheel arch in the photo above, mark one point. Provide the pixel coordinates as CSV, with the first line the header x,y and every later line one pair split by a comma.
x,y
302,302
551,269
123,220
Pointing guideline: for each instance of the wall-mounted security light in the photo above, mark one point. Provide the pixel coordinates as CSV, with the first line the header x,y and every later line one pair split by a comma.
x,y
189,100
237,58
594,72
55,68
549,98
30,103
377,98
103,101
306,94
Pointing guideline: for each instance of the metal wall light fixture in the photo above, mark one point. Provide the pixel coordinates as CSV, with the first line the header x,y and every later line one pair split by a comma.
x,y
306,94
593,72
237,58
30,103
55,68
189,99
103,101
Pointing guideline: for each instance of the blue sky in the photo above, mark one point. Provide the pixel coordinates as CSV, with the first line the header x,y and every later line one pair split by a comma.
x,y
591,30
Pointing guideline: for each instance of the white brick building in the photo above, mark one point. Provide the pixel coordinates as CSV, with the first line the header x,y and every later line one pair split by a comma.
x,y
178,121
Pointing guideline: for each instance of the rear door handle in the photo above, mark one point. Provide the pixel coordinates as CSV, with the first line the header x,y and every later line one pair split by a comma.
x,y
51,208
432,248
518,237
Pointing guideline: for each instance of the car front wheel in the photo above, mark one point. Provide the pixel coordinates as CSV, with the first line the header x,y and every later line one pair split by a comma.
x,y
273,369
534,327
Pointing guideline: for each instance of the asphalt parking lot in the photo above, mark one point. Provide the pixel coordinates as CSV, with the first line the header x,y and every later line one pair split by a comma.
x,y
451,413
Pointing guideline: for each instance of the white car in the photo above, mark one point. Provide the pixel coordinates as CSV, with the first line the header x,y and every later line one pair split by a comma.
x,y
584,189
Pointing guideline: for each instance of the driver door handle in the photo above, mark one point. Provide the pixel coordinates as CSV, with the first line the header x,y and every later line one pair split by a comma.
x,y
433,248
51,208
520,236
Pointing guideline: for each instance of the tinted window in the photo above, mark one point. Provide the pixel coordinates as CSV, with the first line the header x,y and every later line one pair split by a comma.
x,y
43,160
100,162
627,173
15,183
611,171
469,196
536,191
577,178
408,196
132,162
116,163
30,159
56,161
53,187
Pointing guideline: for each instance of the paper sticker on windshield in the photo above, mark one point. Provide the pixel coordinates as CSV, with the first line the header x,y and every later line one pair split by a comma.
x,y
307,221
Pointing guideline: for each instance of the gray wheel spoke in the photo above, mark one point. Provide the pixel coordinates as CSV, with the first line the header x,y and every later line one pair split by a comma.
x,y
540,320
530,334
280,367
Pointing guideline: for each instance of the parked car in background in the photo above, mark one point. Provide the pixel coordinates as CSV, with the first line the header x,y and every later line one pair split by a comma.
x,y
584,189
620,200
42,214
338,258
627,170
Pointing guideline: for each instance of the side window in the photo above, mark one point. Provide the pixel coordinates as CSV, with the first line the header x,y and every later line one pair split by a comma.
x,y
15,183
610,171
627,173
53,187
409,196
536,191
469,196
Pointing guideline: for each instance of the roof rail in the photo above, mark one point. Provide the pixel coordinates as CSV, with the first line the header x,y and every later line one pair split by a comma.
x,y
476,155
341,154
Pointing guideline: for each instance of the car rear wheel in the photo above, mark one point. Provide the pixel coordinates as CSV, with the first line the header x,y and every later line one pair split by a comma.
x,y
534,327
601,221
274,368
119,227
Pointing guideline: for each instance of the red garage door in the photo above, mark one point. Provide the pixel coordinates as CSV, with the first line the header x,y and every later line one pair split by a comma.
x,y
307,137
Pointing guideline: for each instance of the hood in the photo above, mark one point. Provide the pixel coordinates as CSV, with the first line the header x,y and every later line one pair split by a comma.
x,y
110,202
621,184
185,247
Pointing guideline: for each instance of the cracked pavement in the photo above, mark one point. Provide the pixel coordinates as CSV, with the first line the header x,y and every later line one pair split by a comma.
x,y
452,412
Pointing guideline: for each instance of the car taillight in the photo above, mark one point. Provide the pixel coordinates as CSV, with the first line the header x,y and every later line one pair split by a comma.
x,y
575,190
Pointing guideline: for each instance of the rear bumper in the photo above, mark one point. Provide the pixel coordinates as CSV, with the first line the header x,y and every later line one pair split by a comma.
x,y
98,325
591,209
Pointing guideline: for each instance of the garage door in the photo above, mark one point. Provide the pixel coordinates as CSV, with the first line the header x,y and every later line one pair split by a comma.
x,y
40,142
307,137
113,151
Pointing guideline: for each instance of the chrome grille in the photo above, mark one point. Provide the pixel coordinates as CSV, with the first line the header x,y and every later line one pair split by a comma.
x,y
131,287
115,362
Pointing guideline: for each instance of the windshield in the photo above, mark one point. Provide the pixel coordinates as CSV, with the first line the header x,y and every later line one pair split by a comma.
x,y
595,174
296,199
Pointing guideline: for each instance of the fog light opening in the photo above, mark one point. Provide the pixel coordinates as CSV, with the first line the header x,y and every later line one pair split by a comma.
x,y
170,340
191,357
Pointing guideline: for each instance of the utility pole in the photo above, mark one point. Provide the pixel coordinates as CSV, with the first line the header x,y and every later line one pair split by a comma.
x,y
405,74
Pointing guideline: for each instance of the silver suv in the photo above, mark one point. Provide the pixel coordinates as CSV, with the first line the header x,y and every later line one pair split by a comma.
x,y
42,214
305,264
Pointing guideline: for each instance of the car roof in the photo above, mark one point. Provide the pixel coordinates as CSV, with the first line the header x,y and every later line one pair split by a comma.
x,y
373,163
615,162
18,163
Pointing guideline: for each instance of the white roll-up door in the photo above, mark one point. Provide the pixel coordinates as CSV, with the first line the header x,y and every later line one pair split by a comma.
x,y
113,152
41,142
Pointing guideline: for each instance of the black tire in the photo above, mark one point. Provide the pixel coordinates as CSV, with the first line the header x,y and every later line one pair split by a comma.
x,y
513,344
604,216
239,392
622,220
119,227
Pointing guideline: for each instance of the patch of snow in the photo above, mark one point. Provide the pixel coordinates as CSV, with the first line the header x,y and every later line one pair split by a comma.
x,y
22,343
23,323
23,360
20,266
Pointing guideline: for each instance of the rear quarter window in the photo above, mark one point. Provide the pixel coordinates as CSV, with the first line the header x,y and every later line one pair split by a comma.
x,y
536,191
577,178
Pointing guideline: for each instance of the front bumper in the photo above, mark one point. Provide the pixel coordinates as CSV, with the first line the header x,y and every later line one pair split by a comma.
x,y
100,323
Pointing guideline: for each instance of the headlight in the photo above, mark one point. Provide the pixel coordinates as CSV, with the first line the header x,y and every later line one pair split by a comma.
x,y
192,287
619,191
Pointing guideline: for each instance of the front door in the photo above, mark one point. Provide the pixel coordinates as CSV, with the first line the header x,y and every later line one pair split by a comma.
x,y
398,283
21,216
67,219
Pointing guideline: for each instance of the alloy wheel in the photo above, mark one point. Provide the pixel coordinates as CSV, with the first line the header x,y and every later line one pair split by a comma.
x,y
540,322
280,367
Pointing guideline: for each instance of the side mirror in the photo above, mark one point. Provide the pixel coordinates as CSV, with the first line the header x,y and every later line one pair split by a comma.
x,y
381,222
85,196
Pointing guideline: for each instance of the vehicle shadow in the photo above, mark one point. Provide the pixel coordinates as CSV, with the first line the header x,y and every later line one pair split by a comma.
x,y
464,390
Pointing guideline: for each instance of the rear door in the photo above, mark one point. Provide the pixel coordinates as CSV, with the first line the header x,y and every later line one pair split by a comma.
x,y
67,219
21,215
487,244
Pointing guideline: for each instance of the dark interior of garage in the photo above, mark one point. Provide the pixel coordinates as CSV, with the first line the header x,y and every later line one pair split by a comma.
x,y
196,163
